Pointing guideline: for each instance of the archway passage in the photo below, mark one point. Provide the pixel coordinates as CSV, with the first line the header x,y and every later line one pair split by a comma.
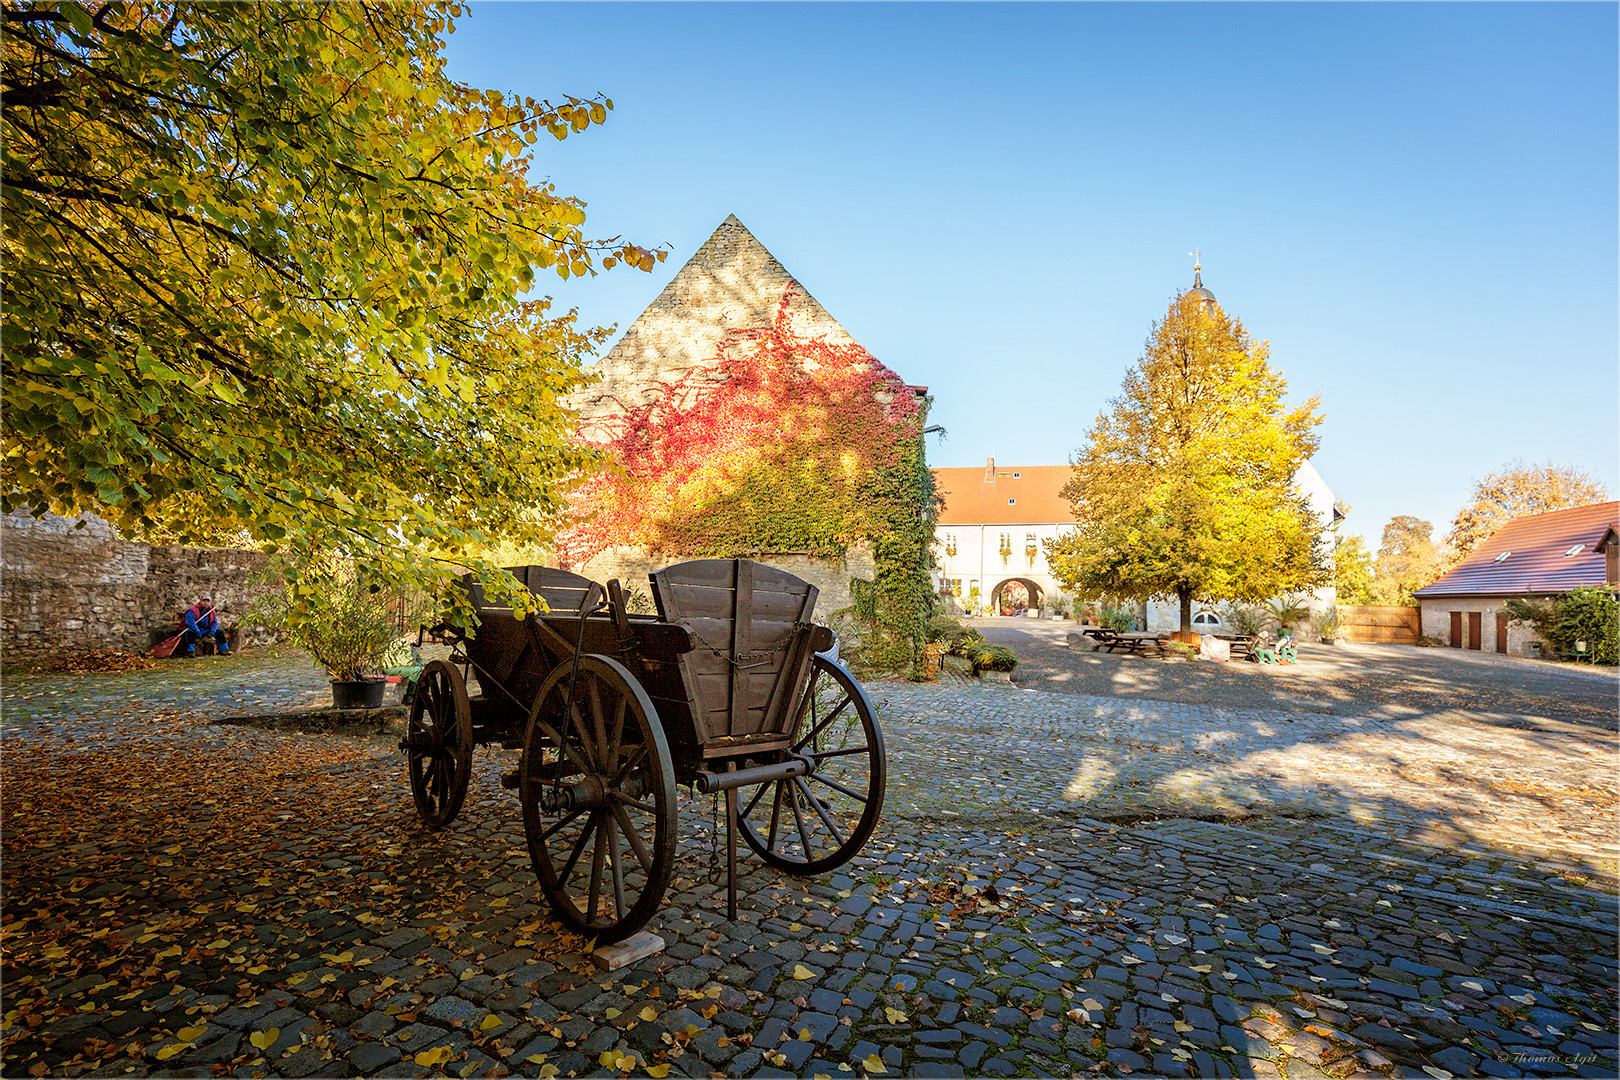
x,y
1016,594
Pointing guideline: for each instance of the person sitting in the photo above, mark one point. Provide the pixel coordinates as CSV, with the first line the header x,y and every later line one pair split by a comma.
x,y
202,625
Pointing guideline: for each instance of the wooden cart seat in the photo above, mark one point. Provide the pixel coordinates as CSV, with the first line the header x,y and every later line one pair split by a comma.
x,y
753,646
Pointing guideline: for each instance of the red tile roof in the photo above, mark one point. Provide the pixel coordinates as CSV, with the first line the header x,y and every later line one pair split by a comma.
x,y
1536,562
1004,495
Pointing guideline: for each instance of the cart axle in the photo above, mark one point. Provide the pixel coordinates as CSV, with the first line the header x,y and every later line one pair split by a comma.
x,y
710,782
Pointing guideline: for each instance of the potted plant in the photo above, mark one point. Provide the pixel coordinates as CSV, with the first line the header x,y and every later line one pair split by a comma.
x,y
1006,547
1327,624
328,606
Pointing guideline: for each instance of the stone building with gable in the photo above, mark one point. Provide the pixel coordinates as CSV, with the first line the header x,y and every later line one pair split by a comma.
x,y
730,284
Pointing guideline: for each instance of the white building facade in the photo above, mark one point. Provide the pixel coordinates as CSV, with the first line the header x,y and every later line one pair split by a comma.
x,y
991,533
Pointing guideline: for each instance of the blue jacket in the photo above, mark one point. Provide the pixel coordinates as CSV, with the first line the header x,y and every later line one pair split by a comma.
x,y
199,621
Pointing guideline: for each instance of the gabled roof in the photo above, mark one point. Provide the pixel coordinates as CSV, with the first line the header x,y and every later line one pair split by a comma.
x,y
1536,560
1004,495
731,282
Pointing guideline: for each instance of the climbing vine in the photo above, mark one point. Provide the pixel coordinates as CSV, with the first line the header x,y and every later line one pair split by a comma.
x,y
781,442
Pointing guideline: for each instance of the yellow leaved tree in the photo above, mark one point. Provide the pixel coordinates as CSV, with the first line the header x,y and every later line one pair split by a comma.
x,y
268,268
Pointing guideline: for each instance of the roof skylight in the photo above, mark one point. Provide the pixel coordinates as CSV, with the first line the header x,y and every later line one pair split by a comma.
x,y
1576,550
1502,557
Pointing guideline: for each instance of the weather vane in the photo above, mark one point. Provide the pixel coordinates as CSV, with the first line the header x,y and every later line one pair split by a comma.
x,y
1197,256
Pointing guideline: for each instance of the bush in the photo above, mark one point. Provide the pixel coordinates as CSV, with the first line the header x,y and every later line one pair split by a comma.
x,y
1117,619
1058,605
1590,614
965,641
1243,618
994,658
942,628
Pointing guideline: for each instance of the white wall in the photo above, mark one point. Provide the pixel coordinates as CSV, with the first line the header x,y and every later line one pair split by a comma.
x,y
978,557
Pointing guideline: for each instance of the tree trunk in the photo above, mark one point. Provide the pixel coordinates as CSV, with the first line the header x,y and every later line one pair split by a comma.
x,y
1185,596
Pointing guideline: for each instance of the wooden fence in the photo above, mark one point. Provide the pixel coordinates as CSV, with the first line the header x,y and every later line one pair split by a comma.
x,y
1380,625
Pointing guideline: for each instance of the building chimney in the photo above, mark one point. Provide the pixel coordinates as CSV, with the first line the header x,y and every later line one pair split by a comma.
x,y
989,469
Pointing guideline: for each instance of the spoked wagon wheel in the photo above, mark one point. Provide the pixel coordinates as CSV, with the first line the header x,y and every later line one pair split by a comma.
x,y
439,744
809,824
598,796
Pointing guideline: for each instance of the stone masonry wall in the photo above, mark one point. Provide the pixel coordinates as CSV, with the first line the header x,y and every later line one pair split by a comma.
x,y
730,283
66,588
831,576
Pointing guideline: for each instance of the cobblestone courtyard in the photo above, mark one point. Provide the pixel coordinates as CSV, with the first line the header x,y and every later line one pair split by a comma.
x,y
1195,883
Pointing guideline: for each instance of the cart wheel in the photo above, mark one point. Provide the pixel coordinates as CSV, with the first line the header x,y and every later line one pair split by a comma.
x,y
812,823
439,744
598,800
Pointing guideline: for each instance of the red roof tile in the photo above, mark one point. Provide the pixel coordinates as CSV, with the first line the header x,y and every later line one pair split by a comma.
x,y
1536,562
1016,495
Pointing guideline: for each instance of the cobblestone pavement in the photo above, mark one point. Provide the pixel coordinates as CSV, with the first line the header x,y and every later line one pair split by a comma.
x,y
1062,884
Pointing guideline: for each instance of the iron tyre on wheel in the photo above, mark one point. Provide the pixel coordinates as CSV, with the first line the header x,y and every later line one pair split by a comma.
x,y
598,791
812,823
439,744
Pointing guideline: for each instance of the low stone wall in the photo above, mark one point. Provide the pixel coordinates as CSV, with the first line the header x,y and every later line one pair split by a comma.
x,y
70,584
831,576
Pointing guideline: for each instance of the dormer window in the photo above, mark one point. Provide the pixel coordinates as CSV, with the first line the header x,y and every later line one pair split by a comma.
x,y
1576,550
1012,502
1502,557
1015,476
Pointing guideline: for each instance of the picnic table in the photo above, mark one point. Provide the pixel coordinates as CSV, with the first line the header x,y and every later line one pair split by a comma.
x,y
1132,641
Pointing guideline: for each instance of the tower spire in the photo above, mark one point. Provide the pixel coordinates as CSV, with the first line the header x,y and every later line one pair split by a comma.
x,y
1204,295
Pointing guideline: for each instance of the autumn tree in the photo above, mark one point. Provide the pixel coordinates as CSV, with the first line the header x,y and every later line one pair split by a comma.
x,y
267,266
1186,488
1518,489
1407,559
1352,570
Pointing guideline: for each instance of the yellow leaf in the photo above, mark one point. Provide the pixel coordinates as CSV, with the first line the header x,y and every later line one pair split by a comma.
x,y
611,1013
191,1034
659,1071
258,969
547,1071
895,1016
714,991
298,978
490,1021
1183,1026
873,1064
166,1052
802,972
341,958
648,1013
172,950
263,1040
436,1056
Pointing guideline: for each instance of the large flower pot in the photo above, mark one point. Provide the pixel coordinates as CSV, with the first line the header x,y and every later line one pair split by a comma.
x,y
358,693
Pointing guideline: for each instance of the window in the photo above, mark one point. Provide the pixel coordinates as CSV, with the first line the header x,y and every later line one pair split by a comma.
x,y
1012,502
1576,550
1029,538
1206,620
1502,557
1015,476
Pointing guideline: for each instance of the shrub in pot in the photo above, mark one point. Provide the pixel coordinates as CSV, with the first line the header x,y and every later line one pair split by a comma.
x,y
330,607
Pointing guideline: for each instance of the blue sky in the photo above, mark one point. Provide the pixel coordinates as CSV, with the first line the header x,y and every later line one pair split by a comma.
x,y
1416,204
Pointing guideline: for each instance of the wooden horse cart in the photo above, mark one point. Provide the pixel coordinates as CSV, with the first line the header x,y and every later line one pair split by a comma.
x,y
725,690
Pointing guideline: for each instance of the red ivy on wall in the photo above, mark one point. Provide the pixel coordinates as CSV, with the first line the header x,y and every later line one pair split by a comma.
x,y
775,446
